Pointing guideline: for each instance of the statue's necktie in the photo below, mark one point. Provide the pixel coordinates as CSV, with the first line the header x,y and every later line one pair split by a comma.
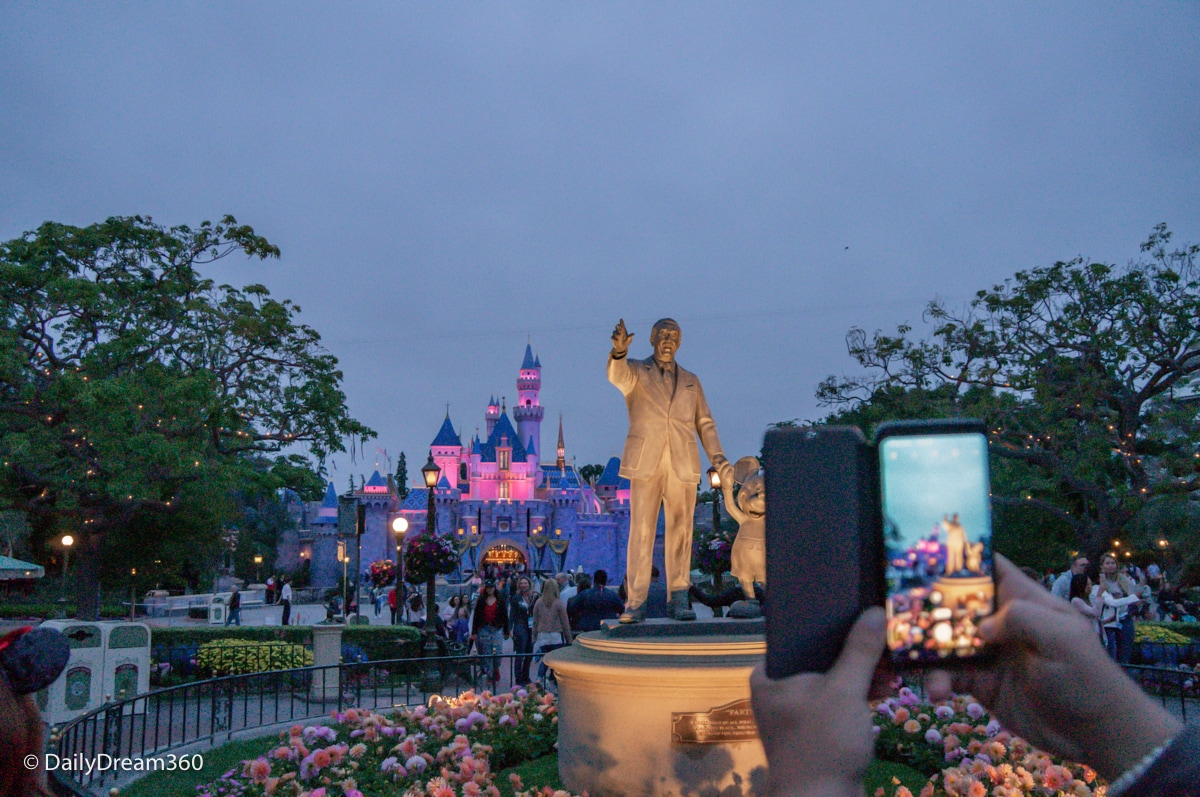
x,y
669,380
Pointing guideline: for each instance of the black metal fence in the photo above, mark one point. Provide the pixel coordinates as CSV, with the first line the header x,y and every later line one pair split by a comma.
x,y
1178,689
167,720
213,711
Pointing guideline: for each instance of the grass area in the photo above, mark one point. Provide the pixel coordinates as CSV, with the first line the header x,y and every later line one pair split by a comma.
x,y
880,773
217,761
539,772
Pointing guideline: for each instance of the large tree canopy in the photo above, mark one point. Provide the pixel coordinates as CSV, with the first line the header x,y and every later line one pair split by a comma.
x,y
132,385
1085,373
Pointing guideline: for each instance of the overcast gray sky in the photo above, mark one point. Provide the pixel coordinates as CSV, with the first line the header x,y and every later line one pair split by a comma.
x,y
449,180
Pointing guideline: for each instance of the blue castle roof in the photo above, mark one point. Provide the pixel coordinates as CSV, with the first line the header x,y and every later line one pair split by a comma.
x,y
375,481
446,436
611,477
530,448
331,499
555,479
530,361
503,428
443,483
417,499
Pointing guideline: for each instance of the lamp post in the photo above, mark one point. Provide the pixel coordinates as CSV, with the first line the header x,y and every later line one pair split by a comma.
x,y
67,542
399,529
257,567
344,558
714,481
430,472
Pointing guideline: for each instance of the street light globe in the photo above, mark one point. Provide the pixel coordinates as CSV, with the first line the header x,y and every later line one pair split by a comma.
x,y
68,540
399,525
258,559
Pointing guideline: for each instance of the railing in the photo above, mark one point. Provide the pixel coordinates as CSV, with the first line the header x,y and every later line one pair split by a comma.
x,y
1177,689
157,723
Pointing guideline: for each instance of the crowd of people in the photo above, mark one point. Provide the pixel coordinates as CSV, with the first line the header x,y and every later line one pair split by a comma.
x,y
1116,595
539,614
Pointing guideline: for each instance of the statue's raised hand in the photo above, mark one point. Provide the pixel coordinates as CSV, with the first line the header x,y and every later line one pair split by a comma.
x,y
621,338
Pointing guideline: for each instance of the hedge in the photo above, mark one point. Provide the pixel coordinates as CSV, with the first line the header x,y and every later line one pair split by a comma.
x,y
1190,630
246,656
379,642
50,611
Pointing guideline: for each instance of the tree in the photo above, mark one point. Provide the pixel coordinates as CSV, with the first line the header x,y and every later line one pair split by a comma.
x,y
589,473
402,477
133,389
1084,373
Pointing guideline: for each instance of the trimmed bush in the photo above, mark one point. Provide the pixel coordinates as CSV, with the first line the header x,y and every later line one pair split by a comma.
x,y
384,642
243,657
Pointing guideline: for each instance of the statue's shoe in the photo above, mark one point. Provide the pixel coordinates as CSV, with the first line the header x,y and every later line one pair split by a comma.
x,y
678,608
637,615
745,610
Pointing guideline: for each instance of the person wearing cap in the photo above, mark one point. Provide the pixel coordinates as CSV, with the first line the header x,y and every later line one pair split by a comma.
x,y
30,660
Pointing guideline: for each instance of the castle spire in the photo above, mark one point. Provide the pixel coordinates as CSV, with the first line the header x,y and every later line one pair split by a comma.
x,y
561,464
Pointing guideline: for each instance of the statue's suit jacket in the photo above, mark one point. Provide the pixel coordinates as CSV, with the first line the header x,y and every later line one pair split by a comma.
x,y
657,420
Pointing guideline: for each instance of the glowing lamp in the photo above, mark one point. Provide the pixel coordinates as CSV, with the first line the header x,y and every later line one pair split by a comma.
x,y
714,478
399,525
430,473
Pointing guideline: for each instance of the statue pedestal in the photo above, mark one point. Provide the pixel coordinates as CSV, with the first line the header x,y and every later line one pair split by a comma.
x,y
660,708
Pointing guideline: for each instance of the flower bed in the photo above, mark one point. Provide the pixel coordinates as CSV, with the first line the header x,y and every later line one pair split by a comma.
x,y
965,753
448,749
245,657
454,747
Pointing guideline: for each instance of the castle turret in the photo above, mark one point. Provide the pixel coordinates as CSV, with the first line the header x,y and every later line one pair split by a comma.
x,y
446,450
492,415
528,410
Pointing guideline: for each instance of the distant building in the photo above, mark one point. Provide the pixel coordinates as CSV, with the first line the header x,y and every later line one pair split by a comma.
x,y
494,497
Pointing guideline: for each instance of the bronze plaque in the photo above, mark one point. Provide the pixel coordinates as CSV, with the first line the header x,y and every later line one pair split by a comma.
x,y
732,722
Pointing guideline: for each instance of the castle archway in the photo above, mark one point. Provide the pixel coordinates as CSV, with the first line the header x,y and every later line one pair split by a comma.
x,y
503,554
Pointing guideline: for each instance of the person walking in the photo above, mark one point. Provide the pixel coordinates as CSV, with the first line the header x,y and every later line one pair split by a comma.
x,y
489,627
393,601
520,626
285,597
551,628
235,608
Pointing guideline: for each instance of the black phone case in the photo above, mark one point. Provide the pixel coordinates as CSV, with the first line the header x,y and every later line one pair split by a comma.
x,y
824,544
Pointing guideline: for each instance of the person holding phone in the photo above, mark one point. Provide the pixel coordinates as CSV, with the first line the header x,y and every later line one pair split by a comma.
x,y
1049,681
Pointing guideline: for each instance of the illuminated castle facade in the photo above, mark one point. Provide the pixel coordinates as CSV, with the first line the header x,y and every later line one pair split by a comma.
x,y
495,498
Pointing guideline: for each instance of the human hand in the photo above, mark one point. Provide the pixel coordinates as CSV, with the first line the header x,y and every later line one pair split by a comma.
x,y
1049,680
816,727
620,338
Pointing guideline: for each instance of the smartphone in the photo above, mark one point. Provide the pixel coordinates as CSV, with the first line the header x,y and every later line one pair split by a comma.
x,y
823,544
935,501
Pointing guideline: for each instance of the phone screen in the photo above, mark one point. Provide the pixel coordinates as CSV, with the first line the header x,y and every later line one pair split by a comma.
x,y
937,525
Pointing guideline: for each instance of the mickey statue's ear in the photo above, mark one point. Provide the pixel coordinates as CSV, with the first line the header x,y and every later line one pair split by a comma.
x,y
744,468
33,658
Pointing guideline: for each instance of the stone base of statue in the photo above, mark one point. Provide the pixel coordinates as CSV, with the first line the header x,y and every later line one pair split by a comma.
x,y
660,708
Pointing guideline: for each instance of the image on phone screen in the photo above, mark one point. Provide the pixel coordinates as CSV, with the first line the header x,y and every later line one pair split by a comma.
x,y
937,526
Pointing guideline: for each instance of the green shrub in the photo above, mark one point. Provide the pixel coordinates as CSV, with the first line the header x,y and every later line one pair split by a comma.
x,y
384,642
243,657
184,635
49,611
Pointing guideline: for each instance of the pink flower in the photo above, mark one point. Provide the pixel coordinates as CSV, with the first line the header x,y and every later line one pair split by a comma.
x,y
912,726
932,736
975,711
258,770
943,713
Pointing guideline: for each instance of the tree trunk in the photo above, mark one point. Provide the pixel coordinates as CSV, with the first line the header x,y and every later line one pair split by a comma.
x,y
86,584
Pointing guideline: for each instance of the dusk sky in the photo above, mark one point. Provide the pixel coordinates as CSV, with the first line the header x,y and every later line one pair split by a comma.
x,y
447,181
